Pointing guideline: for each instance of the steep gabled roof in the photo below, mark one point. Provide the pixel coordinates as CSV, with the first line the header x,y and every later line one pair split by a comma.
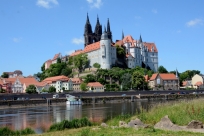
x,y
153,76
56,56
149,47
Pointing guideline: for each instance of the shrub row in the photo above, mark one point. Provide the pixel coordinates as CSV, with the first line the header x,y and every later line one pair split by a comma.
x,y
8,132
75,123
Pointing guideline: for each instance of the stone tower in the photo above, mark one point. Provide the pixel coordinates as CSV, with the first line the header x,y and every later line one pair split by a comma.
x,y
105,45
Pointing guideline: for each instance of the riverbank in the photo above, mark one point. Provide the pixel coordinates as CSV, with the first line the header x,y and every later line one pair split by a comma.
x,y
180,113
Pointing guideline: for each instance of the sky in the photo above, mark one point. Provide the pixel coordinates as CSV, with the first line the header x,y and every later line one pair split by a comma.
x,y
33,31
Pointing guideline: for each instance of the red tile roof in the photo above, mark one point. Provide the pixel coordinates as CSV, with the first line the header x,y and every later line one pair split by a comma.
x,y
92,47
149,46
55,78
199,83
129,39
164,76
94,84
56,56
27,81
76,80
153,76
77,52
146,78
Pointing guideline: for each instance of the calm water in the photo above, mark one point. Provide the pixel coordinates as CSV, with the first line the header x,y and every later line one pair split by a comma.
x,y
41,117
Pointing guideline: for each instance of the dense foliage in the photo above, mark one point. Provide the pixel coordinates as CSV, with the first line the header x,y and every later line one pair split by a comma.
x,y
8,132
83,86
75,123
162,69
52,89
5,75
31,89
120,51
96,65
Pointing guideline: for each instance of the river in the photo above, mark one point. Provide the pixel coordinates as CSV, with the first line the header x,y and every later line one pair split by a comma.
x,y
40,118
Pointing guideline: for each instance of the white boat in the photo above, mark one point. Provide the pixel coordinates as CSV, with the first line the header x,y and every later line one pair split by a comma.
x,y
71,100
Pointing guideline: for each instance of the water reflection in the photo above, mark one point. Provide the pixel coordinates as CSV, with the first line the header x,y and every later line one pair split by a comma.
x,y
40,118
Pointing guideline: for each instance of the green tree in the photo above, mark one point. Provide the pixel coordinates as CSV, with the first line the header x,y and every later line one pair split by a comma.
x,y
120,51
52,89
5,75
63,88
162,69
89,78
44,90
96,65
83,86
138,80
126,81
66,71
59,60
80,61
31,89
43,67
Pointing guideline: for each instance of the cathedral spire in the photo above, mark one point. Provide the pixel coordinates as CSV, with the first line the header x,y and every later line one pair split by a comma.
x,y
104,29
87,19
140,40
122,35
108,26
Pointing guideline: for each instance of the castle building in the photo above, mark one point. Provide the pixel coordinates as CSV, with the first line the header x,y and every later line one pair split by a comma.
x,y
100,49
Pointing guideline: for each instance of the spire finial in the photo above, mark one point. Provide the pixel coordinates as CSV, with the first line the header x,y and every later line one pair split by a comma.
x,y
108,26
87,19
122,35
104,29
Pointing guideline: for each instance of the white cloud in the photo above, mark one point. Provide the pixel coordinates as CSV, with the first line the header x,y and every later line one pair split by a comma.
x,y
89,1
70,52
78,40
154,11
16,40
95,3
47,3
195,22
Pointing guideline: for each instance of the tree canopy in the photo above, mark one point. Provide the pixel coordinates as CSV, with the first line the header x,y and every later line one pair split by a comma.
x,y
31,89
5,75
120,51
83,86
52,89
80,61
162,69
138,80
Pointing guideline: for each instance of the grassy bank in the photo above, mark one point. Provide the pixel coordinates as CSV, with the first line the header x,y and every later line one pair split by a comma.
x,y
98,131
181,113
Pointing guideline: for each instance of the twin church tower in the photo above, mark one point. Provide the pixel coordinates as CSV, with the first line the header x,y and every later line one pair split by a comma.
x,y
92,37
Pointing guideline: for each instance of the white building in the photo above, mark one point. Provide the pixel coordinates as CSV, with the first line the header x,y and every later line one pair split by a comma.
x,y
138,53
60,82
95,87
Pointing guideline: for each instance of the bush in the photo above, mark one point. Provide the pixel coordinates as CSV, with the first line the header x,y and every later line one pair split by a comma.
x,y
7,132
75,123
96,65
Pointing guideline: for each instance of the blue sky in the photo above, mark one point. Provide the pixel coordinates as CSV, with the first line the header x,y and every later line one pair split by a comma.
x,y
32,31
